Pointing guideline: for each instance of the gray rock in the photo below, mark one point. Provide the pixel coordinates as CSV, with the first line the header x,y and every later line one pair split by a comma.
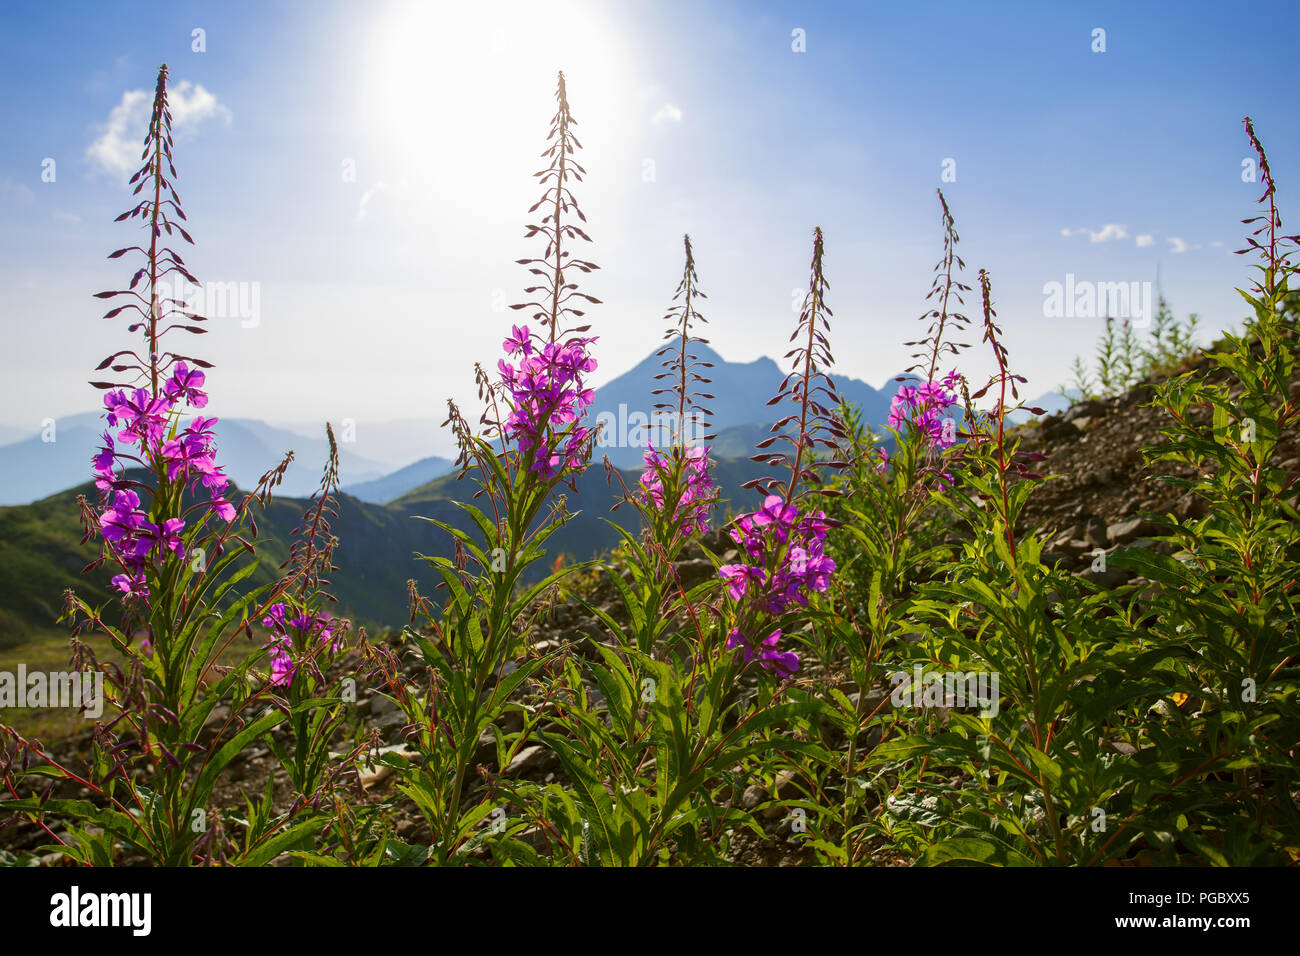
x,y
1058,430
532,759
1084,410
1130,529
1106,580
1095,535
486,753
694,572
1190,507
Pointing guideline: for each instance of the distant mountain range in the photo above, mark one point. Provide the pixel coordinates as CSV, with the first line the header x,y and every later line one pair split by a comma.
x,y
381,491
33,468
379,462
740,412
377,528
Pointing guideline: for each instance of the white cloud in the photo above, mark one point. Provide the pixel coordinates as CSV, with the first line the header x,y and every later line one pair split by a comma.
x,y
1145,240
1177,245
667,113
1108,232
1104,234
192,104
117,149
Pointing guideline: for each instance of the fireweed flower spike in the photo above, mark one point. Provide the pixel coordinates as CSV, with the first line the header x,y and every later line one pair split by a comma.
x,y
676,492
927,405
784,540
307,628
548,398
691,513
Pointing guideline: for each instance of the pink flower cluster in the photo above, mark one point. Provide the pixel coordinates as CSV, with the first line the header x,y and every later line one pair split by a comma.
x,y
926,405
548,399
143,420
692,510
283,624
785,563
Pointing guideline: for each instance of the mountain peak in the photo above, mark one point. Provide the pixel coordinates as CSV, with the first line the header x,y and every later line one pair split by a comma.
x,y
627,404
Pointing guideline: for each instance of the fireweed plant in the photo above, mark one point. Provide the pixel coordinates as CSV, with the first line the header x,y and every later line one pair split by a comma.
x,y
1124,362
1008,774
475,647
889,537
180,548
1155,720
880,659
1224,603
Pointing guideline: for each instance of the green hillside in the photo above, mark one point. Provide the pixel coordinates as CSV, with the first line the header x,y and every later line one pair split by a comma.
x,y
41,555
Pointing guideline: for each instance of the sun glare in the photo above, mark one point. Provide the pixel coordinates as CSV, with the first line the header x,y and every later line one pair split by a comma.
x,y
459,88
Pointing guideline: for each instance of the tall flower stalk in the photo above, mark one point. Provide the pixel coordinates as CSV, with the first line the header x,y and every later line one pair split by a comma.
x,y
181,552
782,544
533,438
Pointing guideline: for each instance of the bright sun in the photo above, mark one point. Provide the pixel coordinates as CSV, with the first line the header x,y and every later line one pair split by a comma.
x,y
460,89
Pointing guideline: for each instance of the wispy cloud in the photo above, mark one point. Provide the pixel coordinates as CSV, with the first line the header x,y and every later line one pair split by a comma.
x,y
1108,232
15,192
1145,240
371,192
117,148
1105,234
1177,245
668,113
363,207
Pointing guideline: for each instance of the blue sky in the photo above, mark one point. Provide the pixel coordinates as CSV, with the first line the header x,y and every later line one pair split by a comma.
x,y
377,292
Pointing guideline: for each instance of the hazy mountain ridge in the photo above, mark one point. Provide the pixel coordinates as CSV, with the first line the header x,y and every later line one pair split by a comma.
x,y
384,490
379,462
33,468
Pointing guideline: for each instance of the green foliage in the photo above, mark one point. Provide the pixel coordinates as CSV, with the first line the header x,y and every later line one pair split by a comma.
x,y
1124,360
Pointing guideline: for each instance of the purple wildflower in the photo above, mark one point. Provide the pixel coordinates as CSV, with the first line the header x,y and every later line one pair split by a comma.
x,y
131,586
781,663
548,397
185,385
786,563
309,628
926,405
692,510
